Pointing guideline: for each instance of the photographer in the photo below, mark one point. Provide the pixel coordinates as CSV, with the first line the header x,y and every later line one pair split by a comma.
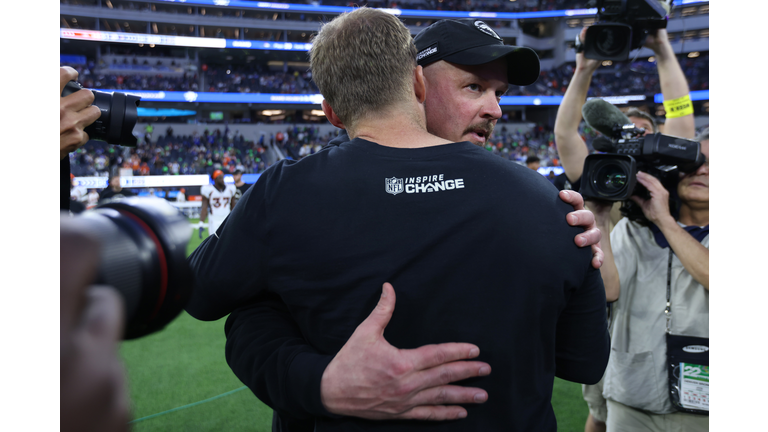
x,y
93,394
573,151
76,113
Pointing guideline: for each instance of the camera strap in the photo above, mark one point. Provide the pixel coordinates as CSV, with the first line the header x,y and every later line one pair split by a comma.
x,y
699,233
687,363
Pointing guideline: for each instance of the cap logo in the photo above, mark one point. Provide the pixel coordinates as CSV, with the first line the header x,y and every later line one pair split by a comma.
x,y
483,27
426,52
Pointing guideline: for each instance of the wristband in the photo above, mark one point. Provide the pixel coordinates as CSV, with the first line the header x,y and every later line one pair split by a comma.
x,y
679,107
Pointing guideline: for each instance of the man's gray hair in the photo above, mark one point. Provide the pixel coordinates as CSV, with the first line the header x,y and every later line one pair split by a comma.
x,y
363,62
634,112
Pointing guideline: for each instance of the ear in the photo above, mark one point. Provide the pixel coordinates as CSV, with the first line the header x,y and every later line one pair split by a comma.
x,y
419,86
332,117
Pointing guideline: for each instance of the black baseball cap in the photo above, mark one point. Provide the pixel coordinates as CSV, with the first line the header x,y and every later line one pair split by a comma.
x,y
469,41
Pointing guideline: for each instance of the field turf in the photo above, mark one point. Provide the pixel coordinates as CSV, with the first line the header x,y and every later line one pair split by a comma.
x,y
179,381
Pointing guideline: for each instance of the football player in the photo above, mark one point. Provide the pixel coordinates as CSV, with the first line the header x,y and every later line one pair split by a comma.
x,y
219,198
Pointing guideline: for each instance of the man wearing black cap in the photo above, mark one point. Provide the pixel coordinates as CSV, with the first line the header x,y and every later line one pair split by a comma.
x,y
467,68
434,227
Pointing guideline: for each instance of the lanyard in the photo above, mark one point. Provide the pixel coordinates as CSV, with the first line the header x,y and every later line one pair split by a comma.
x,y
668,310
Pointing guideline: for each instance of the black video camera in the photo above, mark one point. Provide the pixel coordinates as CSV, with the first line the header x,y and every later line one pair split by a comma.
x,y
118,115
612,176
622,27
143,255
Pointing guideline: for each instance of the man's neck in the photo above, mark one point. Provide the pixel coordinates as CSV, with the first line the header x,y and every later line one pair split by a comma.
x,y
694,215
400,128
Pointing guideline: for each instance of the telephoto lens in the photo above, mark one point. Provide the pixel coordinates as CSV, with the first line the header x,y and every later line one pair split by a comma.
x,y
119,115
143,255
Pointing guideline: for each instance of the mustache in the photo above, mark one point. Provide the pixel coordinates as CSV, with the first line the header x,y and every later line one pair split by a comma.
x,y
486,127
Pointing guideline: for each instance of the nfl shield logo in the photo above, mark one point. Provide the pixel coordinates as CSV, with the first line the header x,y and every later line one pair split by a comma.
x,y
394,185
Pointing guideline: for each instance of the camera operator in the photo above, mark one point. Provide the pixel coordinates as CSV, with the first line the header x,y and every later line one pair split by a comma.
x,y
674,86
76,113
635,382
573,151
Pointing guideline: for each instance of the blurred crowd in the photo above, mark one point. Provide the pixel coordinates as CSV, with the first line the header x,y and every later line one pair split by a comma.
x,y
257,79
464,5
171,154
624,78
619,78
447,5
224,79
229,150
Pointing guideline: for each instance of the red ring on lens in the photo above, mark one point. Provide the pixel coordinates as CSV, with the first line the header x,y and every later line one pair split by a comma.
x,y
161,257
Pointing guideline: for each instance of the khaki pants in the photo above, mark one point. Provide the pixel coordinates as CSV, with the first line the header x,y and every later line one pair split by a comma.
x,y
622,418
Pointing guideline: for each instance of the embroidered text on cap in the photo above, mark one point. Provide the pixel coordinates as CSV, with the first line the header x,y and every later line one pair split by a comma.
x,y
426,52
483,27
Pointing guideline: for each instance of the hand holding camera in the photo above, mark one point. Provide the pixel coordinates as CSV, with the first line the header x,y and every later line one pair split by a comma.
x,y
582,62
657,41
623,26
631,158
77,113
655,208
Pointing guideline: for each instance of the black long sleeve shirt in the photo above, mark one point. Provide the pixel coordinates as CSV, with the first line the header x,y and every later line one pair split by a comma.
x,y
477,249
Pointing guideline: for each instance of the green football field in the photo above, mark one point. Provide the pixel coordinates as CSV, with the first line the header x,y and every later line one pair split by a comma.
x,y
179,381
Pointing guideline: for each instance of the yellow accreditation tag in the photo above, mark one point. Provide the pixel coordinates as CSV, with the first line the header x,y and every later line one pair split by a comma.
x,y
679,107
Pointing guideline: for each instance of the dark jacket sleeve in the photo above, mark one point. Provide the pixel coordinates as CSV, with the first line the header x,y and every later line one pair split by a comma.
x,y
582,342
268,353
229,267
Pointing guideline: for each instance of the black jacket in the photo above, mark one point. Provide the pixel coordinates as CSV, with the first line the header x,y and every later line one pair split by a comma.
x,y
477,249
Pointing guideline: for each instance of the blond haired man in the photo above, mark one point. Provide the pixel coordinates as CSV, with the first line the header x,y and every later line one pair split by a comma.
x,y
397,204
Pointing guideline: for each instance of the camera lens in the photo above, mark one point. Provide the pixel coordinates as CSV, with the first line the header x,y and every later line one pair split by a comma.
x,y
610,178
118,117
611,41
143,242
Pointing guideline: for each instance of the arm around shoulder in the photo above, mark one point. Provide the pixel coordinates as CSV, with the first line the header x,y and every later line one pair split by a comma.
x,y
229,268
267,352
582,340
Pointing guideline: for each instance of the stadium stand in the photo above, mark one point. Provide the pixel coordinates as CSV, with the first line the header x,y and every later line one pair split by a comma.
x,y
215,141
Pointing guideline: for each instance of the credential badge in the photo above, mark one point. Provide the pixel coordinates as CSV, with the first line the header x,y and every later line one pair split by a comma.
x,y
394,185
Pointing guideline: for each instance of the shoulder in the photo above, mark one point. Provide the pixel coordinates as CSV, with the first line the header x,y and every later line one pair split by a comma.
x,y
340,139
